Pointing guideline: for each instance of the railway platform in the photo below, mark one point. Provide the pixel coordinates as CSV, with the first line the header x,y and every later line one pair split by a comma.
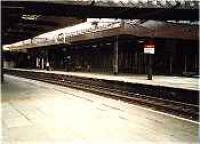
x,y
38,112
158,80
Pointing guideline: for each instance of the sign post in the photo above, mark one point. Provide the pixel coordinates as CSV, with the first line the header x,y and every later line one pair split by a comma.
x,y
149,49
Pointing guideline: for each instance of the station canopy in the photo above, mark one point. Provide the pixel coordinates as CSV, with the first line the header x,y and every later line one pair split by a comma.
x,y
25,20
140,28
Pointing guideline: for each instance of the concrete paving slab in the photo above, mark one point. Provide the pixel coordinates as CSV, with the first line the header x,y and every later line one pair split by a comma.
x,y
17,122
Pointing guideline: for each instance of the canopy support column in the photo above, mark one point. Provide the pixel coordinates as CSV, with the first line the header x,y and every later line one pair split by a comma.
x,y
116,56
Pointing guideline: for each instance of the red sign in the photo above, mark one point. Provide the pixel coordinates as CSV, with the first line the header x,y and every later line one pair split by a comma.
x,y
149,47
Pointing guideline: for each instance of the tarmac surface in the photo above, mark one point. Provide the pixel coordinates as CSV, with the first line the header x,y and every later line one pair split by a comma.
x,y
37,112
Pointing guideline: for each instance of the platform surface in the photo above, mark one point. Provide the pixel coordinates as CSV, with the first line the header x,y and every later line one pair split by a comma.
x,y
37,112
158,80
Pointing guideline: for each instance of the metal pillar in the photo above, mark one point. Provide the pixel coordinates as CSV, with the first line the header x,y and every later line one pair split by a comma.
x,y
37,63
42,63
2,78
64,37
185,63
116,56
171,65
150,67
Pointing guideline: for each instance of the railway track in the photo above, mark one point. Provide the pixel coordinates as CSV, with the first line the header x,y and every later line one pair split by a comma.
x,y
119,91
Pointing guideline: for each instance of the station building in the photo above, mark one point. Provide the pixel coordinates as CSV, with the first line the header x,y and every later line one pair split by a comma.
x,y
117,47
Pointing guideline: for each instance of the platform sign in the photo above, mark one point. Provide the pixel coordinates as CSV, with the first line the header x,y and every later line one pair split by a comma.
x,y
149,49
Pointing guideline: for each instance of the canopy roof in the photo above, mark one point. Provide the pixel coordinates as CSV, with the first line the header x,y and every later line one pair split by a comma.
x,y
93,29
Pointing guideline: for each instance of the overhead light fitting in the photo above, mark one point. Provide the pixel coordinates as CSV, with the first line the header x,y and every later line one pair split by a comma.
x,y
140,41
94,46
30,17
6,48
108,44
